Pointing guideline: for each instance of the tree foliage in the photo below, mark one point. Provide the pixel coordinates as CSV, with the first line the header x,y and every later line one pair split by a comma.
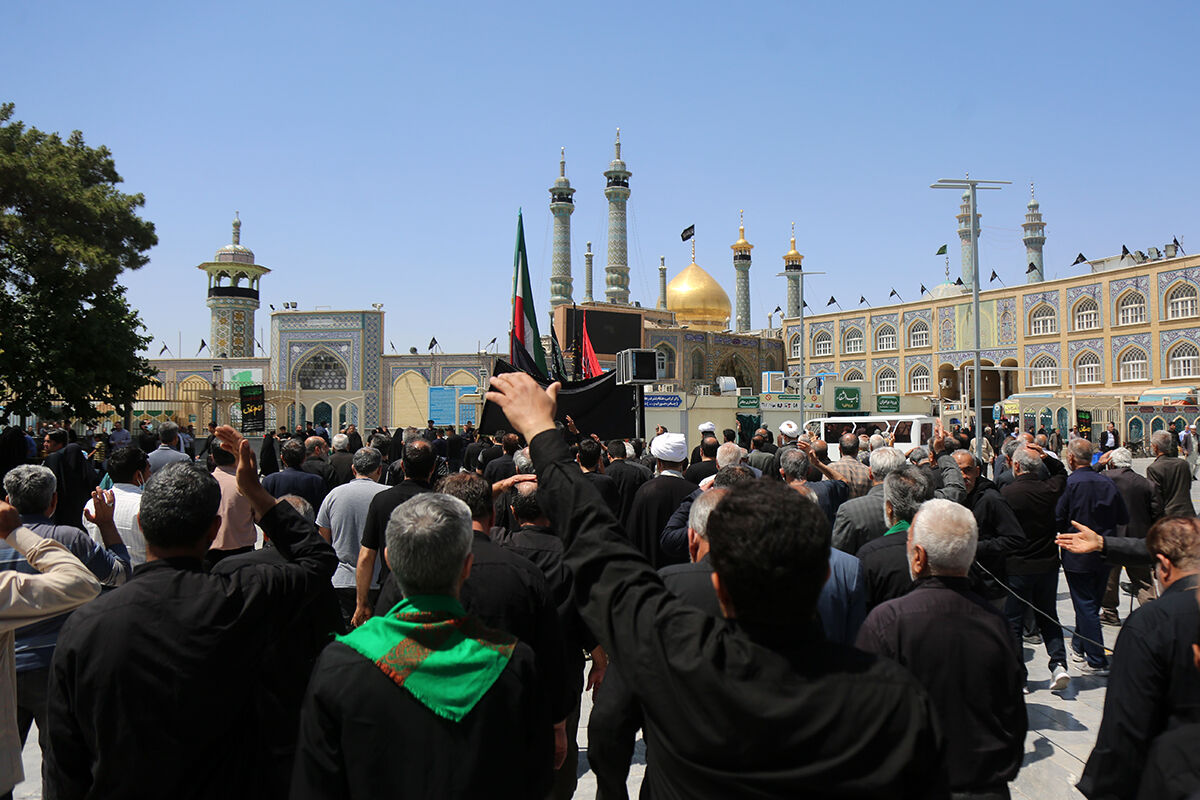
x,y
68,338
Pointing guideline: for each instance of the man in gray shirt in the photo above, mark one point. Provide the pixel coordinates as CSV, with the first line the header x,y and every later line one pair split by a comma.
x,y
341,519
168,448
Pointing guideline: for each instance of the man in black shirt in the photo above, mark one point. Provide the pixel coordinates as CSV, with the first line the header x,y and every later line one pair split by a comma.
x,y
960,649
658,498
1153,687
168,641
841,722
419,463
885,559
427,700
589,461
628,475
503,466
707,465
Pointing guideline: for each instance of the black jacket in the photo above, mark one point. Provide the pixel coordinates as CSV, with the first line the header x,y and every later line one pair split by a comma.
x,y
1142,503
185,647
629,477
1153,688
1000,536
1173,480
1033,502
782,711
960,649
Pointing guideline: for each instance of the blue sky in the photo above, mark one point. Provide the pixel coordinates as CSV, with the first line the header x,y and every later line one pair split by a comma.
x,y
378,152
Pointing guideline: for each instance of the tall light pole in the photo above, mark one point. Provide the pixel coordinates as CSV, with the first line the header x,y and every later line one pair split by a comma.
x,y
971,186
216,373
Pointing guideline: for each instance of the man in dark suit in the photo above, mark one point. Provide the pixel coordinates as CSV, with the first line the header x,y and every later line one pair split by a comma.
x,y
628,475
1110,439
502,466
1144,507
1170,476
316,462
294,480
342,460
859,520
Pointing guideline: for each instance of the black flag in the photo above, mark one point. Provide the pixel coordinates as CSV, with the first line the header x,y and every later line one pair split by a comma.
x,y
164,349
1178,246
777,309
958,282
1079,259
203,344
832,300
393,344
994,276
1124,251
923,289
894,293
806,305
862,299
1032,268
433,343
688,232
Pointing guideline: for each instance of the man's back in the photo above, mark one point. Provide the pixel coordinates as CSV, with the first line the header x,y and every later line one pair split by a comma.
x,y
180,646
1141,501
362,736
1093,500
859,520
320,466
1173,481
607,488
653,506
164,454
344,512
629,477
296,481
960,649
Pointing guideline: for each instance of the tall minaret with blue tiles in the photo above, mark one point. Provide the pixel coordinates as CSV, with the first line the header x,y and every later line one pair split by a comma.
x,y
233,280
1035,240
793,266
616,272
561,206
964,235
741,265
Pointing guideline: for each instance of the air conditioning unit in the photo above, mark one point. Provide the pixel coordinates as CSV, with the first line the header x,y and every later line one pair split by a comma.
x,y
774,381
745,391
726,384
702,390
666,388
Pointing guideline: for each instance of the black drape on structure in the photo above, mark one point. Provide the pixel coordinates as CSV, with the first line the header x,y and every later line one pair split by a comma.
x,y
597,405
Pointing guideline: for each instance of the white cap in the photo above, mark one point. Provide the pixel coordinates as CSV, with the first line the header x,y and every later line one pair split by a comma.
x,y
789,429
707,427
669,447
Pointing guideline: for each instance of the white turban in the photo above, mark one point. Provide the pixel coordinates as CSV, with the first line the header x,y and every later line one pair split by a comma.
x,y
669,447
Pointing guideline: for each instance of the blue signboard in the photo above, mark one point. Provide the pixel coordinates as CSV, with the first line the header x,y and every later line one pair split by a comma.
x,y
442,404
663,401
466,411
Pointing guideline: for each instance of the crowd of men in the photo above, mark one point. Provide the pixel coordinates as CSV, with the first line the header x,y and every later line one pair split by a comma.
x,y
420,613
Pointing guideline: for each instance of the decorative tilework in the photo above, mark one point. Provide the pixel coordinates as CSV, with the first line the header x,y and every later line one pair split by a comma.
x,y
919,313
693,337
1032,351
815,327
1031,300
912,361
852,322
1121,285
1079,345
879,363
1168,339
1119,343
956,357
881,319
1092,290
823,366
1168,277
858,364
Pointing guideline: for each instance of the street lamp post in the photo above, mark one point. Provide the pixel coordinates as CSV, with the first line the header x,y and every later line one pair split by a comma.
x,y
216,373
971,186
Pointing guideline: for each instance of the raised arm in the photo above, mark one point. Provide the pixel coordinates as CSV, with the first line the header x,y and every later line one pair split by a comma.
x,y
63,583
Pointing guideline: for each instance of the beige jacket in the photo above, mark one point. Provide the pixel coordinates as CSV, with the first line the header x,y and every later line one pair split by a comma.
x,y
64,583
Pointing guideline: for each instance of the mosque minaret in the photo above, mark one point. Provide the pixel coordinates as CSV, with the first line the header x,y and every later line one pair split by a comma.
x,y
1035,240
616,272
561,206
741,265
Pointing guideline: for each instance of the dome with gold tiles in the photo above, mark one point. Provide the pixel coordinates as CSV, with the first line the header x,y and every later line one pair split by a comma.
x,y
698,300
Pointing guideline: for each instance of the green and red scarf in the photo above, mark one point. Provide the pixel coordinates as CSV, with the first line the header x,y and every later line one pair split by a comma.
x,y
445,658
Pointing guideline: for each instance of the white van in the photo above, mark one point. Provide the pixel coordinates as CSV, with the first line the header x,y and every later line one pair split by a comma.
x,y
910,430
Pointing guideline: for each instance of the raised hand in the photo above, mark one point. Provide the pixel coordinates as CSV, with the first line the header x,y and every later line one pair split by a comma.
x,y
528,407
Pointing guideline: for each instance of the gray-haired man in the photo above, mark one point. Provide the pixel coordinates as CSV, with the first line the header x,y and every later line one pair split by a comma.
x,y
341,519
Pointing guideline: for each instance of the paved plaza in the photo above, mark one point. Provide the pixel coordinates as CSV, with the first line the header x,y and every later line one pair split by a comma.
x,y
1062,725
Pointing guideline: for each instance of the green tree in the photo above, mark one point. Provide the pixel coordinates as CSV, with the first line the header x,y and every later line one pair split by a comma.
x,y
68,338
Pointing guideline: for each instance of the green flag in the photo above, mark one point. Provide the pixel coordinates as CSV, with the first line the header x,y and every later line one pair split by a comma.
x,y
941,251
525,343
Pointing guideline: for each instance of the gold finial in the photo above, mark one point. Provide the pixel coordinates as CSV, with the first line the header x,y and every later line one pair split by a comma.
x,y
793,235
562,163
237,228
1032,196
693,248
618,144
947,269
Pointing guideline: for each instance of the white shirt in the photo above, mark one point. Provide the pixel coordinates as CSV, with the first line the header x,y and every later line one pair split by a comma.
x,y
128,498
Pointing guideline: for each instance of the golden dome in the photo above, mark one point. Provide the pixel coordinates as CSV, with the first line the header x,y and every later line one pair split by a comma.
x,y
698,300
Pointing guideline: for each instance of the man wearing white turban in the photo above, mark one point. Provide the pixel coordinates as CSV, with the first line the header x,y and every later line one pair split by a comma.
x,y
658,498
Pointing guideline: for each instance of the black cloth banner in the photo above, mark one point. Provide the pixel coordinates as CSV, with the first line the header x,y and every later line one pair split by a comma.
x,y
597,405
254,415
688,232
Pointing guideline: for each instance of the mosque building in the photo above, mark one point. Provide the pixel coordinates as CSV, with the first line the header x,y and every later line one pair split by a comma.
x,y
1122,334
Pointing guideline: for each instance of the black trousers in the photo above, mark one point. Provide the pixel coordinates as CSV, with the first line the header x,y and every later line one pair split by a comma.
x,y
612,735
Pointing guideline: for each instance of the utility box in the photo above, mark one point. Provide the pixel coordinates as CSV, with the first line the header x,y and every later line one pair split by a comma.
x,y
637,366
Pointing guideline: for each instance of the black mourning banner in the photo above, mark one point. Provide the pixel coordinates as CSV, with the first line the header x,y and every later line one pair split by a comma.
x,y
254,415
597,405
688,232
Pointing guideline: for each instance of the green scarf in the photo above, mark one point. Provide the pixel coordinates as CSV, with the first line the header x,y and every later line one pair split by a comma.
x,y
427,644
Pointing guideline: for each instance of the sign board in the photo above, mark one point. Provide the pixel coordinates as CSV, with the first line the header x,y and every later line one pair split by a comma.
x,y
780,402
254,414
1084,420
747,402
662,401
887,403
847,398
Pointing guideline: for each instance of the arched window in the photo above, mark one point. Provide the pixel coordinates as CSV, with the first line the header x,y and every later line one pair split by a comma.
x,y
664,362
1087,315
885,338
322,371
1133,365
1087,368
1044,372
1043,321
853,341
823,344
918,334
1131,308
697,365
1182,361
885,381
796,346
853,375
1181,301
918,379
